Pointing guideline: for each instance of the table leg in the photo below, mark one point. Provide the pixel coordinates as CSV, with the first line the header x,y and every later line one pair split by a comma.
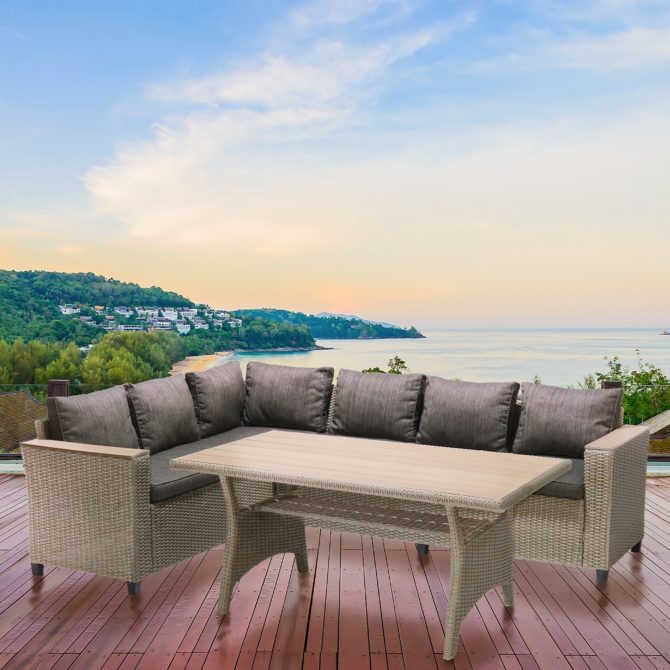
x,y
476,566
254,536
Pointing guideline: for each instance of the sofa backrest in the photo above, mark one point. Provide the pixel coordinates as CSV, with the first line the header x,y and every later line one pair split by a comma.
x,y
383,406
556,421
282,396
467,415
101,417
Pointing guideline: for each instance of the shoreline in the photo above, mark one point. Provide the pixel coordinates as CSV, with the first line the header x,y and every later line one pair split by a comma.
x,y
205,361
197,363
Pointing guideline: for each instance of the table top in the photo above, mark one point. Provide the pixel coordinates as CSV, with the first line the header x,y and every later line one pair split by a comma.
x,y
460,477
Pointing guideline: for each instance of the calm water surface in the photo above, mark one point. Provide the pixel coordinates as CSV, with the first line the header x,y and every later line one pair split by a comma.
x,y
561,357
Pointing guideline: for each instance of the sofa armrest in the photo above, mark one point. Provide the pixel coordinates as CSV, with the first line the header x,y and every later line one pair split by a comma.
x,y
89,507
615,468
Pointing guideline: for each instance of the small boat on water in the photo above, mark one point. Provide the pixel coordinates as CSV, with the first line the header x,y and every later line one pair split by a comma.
x,y
666,332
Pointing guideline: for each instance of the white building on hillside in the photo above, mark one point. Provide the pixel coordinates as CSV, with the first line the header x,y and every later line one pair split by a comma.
x,y
123,311
147,312
161,323
183,328
131,328
69,309
170,313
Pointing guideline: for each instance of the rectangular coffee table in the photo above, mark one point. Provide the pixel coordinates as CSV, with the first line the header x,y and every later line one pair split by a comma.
x,y
277,481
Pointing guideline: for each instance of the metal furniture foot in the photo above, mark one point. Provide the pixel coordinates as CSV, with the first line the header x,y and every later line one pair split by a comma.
x,y
37,569
422,549
637,548
134,588
601,576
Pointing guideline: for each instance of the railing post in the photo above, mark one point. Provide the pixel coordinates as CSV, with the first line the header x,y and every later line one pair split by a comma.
x,y
610,384
58,388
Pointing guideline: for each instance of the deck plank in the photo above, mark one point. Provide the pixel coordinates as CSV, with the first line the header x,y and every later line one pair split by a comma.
x,y
365,603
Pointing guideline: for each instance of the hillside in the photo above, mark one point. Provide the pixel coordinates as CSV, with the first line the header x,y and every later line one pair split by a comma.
x,y
29,302
333,326
81,307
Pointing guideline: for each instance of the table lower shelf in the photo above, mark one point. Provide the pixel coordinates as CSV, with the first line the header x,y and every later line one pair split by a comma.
x,y
348,513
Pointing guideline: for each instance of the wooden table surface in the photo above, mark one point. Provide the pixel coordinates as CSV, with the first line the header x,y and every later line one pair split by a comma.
x,y
468,478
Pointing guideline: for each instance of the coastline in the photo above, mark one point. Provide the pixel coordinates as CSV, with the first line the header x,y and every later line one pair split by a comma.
x,y
197,363
206,361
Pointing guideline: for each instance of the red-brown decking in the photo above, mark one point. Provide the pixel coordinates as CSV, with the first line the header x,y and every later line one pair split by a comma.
x,y
365,603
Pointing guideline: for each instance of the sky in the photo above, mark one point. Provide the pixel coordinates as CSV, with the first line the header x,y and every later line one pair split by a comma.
x,y
437,163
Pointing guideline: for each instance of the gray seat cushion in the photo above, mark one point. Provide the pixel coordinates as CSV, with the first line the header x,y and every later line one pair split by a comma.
x,y
569,485
560,422
282,396
218,397
163,413
165,483
383,406
102,417
467,415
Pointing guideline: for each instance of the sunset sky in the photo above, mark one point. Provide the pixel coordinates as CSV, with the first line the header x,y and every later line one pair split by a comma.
x,y
443,164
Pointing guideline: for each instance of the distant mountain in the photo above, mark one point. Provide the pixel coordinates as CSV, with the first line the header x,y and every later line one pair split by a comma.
x,y
327,326
353,317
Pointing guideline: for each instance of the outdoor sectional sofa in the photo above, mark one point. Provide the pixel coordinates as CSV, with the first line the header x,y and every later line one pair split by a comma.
x,y
102,497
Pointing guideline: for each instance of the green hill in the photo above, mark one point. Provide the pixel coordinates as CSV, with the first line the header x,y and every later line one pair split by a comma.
x,y
29,302
332,327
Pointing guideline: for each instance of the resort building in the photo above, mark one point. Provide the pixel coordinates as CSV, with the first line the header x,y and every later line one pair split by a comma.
x,y
131,328
161,323
182,327
69,309
170,314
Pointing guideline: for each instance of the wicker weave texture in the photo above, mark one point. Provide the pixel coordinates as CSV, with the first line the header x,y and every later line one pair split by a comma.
x,y
549,529
482,545
89,512
614,494
187,524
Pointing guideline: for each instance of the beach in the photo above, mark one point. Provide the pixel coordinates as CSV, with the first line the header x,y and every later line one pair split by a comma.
x,y
197,363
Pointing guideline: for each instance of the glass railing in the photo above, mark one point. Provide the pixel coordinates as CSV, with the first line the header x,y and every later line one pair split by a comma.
x,y
20,406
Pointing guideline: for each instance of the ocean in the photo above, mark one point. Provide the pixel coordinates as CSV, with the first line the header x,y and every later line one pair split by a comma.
x,y
559,357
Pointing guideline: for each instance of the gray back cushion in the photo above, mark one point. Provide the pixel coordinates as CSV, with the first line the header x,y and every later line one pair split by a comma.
x,y
383,406
282,396
102,417
560,422
218,397
467,415
163,413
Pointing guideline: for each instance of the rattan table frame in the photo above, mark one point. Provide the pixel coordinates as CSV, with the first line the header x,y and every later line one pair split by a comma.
x,y
267,511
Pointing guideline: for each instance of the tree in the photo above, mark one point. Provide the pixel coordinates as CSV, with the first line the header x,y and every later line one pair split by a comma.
x,y
396,366
646,391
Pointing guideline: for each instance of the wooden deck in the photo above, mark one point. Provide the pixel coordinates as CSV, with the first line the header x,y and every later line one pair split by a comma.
x,y
365,603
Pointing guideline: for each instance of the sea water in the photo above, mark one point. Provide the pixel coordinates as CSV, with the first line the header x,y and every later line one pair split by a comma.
x,y
560,357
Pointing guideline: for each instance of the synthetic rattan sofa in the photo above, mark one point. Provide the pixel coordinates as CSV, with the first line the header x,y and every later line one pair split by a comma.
x,y
102,497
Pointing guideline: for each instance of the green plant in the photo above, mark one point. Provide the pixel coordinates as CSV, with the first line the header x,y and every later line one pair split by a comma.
x,y
396,366
646,391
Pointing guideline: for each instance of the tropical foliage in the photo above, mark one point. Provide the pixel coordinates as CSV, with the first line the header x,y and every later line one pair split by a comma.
x,y
29,303
332,327
646,391
396,366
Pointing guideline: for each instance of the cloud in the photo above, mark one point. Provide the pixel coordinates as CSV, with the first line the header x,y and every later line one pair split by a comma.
x,y
340,12
323,74
184,185
626,50
588,51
